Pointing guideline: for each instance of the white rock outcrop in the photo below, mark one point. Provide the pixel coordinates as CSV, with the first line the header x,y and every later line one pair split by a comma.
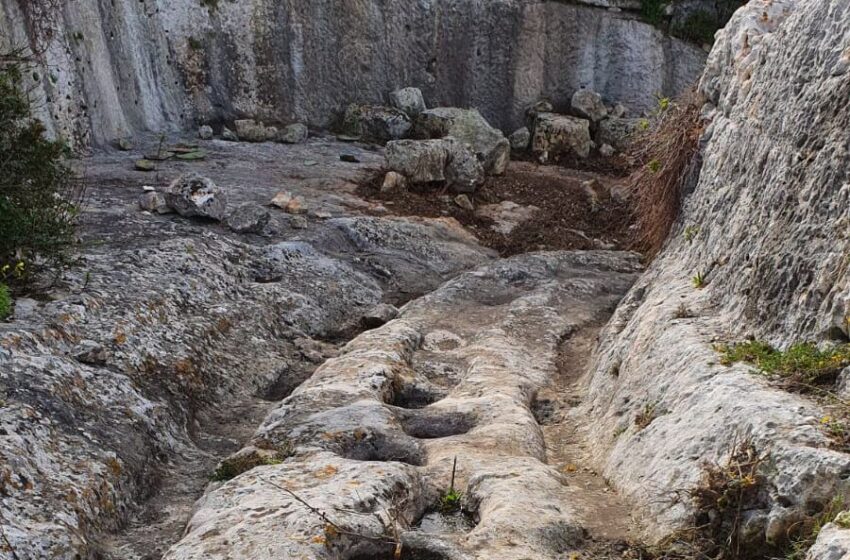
x,y
766,218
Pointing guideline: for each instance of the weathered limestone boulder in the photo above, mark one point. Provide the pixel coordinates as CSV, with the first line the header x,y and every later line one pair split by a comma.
x,y
464,172
194,195
589,105
561,134
228,135
249,130
294,134
520,139
438,160
376,123
205,132
421,161
153,201
469,127
393,181
618,132
409,100
248,218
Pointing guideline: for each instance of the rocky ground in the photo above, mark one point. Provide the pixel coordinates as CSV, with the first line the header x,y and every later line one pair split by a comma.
x,y
161,350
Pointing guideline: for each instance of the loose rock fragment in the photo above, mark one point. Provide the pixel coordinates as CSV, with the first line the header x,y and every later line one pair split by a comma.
x,y
463,201
194,195
393,182
145,165
294,134
469,127
205,132
409,100
250,130
561,134
589,105
421,161
520,139
152,201
376,123
229,135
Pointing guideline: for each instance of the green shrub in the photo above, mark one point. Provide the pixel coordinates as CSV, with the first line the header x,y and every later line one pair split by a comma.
x,y
38,198
652,11
699,27
5,302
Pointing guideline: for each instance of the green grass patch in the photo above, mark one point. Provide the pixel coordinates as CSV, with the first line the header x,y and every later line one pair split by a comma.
x,y
803,362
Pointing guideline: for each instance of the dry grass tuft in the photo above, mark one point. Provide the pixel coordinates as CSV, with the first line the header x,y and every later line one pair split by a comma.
x,y
664,153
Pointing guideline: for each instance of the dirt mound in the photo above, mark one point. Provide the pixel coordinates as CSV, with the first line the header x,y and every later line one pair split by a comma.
x,y
567,216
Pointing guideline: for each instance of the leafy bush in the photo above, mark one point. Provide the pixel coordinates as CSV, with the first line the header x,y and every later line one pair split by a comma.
x,y
38,199
652,11
699,27
5,302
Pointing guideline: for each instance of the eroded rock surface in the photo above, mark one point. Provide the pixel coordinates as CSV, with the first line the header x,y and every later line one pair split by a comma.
x,y
169,327
767,221
375,431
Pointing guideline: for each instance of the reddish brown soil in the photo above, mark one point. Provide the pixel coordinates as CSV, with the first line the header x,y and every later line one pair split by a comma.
x,y
566,219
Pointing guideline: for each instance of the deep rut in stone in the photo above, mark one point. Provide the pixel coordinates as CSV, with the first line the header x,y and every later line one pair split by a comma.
x,y
606,516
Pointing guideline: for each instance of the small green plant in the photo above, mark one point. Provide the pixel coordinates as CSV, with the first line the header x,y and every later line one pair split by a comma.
x,y
5,302
195,44
682,312
644,124
663,103
237,464
654,165
690,233
451,501
698,280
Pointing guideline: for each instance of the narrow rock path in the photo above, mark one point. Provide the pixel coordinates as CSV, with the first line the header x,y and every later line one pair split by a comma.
x,y
220,432
606,516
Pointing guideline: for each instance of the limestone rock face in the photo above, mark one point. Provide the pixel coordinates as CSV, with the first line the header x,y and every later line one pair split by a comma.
x,y
561,134
469,127
767,214
165,64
